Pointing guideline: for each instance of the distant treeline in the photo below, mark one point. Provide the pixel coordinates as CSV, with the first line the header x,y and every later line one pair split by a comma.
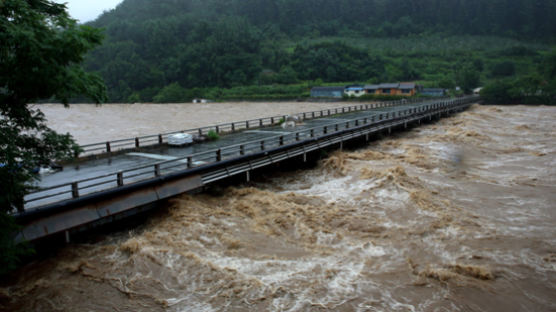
x,y
157,50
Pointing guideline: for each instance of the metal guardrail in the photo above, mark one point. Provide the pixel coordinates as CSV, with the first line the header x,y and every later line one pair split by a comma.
x,y
108,181
150,140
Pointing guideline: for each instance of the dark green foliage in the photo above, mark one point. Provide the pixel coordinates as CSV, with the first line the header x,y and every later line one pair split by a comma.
x,y
231,43
500,92
335,61
503,69
212,135
468,79
172,93
535,88
39,58
10,252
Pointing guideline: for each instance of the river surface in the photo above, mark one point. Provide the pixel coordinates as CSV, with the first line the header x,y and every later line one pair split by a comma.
x,y
457,215
99,123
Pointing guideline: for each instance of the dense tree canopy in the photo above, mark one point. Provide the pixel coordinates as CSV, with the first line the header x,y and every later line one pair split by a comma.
x,y
39,58
227,43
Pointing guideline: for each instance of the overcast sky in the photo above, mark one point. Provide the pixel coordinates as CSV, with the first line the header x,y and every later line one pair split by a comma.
x,y
87,10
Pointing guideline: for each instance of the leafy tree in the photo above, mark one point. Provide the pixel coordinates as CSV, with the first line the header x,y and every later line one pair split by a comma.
x,y
39,58
500,92
468,79
503,69
172,93
335,61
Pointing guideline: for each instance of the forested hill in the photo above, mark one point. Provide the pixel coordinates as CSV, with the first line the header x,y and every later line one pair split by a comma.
x,y
224,43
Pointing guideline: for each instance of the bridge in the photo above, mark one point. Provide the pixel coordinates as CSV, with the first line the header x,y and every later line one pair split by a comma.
x,y
116,179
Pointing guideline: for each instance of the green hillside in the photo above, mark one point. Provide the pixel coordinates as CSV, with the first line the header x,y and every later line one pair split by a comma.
x,y
172,50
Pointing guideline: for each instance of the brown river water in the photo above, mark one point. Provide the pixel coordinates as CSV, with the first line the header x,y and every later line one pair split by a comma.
x,y
457,215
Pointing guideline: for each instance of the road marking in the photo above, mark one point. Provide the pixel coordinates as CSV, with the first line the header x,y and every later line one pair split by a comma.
x,y
332,119
271,132
166,157
153,156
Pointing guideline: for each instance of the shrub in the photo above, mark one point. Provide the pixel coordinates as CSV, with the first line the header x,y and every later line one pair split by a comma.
x,y
500,92
213,136
172,93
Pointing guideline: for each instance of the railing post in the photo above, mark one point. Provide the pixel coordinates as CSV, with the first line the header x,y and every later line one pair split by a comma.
x,y
313,115
200,132
136,142
74,190
157,170
271,120
247,124
242,150
297,136
356,122
262,145
189,162
218,155
108,150
347,125
120,178
217,129
325,130
328,112
233,127
260,122
160,139
336,127
281,140
312,133
304,116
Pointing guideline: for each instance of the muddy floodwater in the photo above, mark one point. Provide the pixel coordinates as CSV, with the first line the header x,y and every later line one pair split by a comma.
x,y
457,215
90,123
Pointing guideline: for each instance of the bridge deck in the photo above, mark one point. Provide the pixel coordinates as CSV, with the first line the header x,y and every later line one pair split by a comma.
x,y
122,184
107,168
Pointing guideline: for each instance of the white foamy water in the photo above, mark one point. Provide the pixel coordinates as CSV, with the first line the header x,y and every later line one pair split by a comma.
x,y
458,215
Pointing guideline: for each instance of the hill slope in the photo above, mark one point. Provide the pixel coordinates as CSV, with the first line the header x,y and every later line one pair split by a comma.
x,y
227,43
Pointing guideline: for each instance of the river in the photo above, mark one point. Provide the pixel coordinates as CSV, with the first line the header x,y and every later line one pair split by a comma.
x,y
456,215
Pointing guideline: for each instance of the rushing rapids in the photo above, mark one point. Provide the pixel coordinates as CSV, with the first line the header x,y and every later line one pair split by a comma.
x,y
459,215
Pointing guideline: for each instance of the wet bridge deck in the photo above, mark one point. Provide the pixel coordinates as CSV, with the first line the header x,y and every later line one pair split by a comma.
x,y
117,177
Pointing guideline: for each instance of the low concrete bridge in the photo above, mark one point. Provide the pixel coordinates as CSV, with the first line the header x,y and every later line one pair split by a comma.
x,y
113,180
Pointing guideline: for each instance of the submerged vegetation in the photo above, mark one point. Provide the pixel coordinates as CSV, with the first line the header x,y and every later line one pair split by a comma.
x,y
174,51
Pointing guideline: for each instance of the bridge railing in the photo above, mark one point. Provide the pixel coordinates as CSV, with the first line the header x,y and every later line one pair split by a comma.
x,y
157,139
118,179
